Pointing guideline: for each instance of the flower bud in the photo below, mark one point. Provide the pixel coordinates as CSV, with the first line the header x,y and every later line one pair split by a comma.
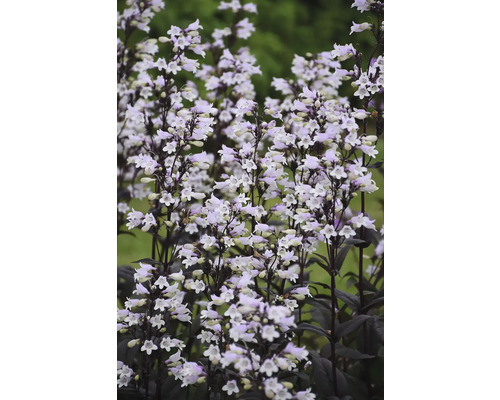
x,y
136,378
360,115
169,224
197,143
163,39
147,180
153,196
365,26
132,343
347,146
218,301
177,276
371,138
123,330
199,272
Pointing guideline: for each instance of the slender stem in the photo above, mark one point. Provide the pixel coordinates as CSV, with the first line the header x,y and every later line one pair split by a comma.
x,y
332,326
332,339
301,281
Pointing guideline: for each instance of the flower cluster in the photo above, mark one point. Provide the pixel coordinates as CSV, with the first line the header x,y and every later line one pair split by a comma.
x,y
240,199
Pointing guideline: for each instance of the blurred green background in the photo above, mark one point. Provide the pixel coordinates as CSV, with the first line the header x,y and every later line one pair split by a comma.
x,y
283,28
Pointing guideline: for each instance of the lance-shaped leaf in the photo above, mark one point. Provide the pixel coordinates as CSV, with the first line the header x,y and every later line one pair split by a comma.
x,y
345,328
312,328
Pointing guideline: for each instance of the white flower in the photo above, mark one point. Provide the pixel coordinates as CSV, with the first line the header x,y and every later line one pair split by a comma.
x,y
161,282
205,336
347,232
362,220
198,286
123,207
328,231
248,165
269,333
362,92
306,395
231,387
338,172
148,347
149,220
360,27
170,147
160,304
283,394
157,321
268,367
212,353
243,364
123,380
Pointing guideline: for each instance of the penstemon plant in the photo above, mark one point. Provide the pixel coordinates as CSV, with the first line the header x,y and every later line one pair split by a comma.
x,y
247,204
